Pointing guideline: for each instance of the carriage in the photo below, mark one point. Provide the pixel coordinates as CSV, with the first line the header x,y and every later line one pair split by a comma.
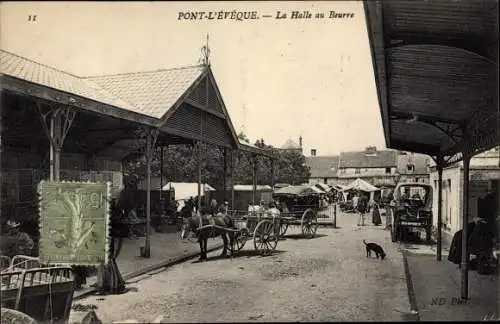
x,y
300,205
411,210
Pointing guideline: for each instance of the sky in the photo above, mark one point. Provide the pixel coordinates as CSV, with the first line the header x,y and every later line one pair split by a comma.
x,y
279,78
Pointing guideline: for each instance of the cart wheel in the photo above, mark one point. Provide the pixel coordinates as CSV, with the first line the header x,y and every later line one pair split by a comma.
x,y
309,223
283,229
265,239
241,238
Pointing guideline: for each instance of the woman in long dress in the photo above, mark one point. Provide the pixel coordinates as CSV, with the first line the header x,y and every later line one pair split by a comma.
x,y
376,219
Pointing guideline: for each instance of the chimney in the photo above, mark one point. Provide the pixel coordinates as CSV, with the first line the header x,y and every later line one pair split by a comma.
x,y
300,140
313,152
371,150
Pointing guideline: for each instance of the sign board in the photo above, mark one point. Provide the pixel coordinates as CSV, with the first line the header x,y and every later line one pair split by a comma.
x,y
74,222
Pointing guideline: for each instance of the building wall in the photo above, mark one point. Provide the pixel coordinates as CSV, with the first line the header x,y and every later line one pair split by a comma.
x,y
22,171
452,191
366,171
422,178
329,181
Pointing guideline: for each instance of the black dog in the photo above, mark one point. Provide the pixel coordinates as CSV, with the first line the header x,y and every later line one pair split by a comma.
x,y
375,248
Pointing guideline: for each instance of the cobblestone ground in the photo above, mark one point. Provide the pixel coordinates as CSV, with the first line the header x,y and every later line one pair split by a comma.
x,y
327,278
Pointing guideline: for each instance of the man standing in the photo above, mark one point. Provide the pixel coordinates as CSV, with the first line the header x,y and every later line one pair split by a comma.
x,y
361,208
355,199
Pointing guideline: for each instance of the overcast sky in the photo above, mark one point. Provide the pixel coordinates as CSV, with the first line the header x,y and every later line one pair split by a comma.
x,y
279,78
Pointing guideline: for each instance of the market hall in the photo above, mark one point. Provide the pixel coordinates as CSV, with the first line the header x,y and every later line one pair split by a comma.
x,y
59,126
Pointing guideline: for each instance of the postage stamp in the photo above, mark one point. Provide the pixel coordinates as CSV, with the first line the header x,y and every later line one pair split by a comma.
x,y
74,222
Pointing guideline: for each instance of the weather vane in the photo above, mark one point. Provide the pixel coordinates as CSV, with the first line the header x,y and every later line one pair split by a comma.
x,y
205,54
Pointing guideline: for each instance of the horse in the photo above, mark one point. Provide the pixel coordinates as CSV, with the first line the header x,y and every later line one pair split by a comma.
x,y
192,223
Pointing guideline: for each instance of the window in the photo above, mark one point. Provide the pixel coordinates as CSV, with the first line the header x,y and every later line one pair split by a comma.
x,y
388,170
410,167
357,171
325,180
417,179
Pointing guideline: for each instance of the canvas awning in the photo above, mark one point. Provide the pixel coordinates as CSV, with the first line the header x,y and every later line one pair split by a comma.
x,y
295,191
360,184
317,190
186,190
339,187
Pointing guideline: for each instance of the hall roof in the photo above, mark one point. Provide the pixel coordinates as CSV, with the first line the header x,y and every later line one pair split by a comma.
x,y
436,72
184,103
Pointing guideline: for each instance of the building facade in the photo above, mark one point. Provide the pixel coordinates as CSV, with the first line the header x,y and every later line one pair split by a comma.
x,y
413,167
376,167
484,179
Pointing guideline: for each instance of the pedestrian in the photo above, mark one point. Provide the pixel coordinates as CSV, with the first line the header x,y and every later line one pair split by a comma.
x,y
213,206
361,207
355,199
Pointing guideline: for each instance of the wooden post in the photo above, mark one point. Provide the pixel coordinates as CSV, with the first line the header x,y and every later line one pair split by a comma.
x,y
52,145
272,173
439,245
234,156
147,247
254,178
225,174
465,221
161,179
335,215
151,136
199,176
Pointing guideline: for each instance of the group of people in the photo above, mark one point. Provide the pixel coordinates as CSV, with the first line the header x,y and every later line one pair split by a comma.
x,y
362,205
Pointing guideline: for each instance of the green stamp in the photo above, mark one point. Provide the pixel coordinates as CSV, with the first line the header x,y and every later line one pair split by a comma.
x,y
74,222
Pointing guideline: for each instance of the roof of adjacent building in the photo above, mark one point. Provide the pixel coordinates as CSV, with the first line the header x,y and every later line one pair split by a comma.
x,y
419,162
323,166
380,159
290,145
153,93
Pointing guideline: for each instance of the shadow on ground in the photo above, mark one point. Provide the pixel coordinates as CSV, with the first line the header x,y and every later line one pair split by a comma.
x,y
241,254
301,237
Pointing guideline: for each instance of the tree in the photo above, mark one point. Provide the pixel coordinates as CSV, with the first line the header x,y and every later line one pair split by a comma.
x,y
180,164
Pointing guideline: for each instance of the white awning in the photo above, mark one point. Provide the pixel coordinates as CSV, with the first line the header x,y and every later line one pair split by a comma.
x,y
186,190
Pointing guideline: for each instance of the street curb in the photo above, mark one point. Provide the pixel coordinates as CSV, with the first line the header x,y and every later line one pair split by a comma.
x,y
414,316
162,264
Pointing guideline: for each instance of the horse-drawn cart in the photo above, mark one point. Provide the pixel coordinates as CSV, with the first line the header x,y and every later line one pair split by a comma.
x,y
411,210
300,206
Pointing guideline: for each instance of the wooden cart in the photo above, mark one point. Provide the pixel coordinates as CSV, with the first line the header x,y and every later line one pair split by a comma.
x,y
44,293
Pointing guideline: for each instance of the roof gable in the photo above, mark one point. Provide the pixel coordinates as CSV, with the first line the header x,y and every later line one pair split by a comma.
x,y
419,162
381,159
153,93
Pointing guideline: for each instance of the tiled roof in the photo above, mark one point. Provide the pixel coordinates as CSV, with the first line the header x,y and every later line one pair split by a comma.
x,y
418,160
153,92
323,166
34,72
290,145
381,159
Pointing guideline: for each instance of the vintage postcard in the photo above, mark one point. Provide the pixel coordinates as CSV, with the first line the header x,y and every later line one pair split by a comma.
x,y
271,161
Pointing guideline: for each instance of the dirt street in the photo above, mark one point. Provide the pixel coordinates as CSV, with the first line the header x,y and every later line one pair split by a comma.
x,y
327,278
